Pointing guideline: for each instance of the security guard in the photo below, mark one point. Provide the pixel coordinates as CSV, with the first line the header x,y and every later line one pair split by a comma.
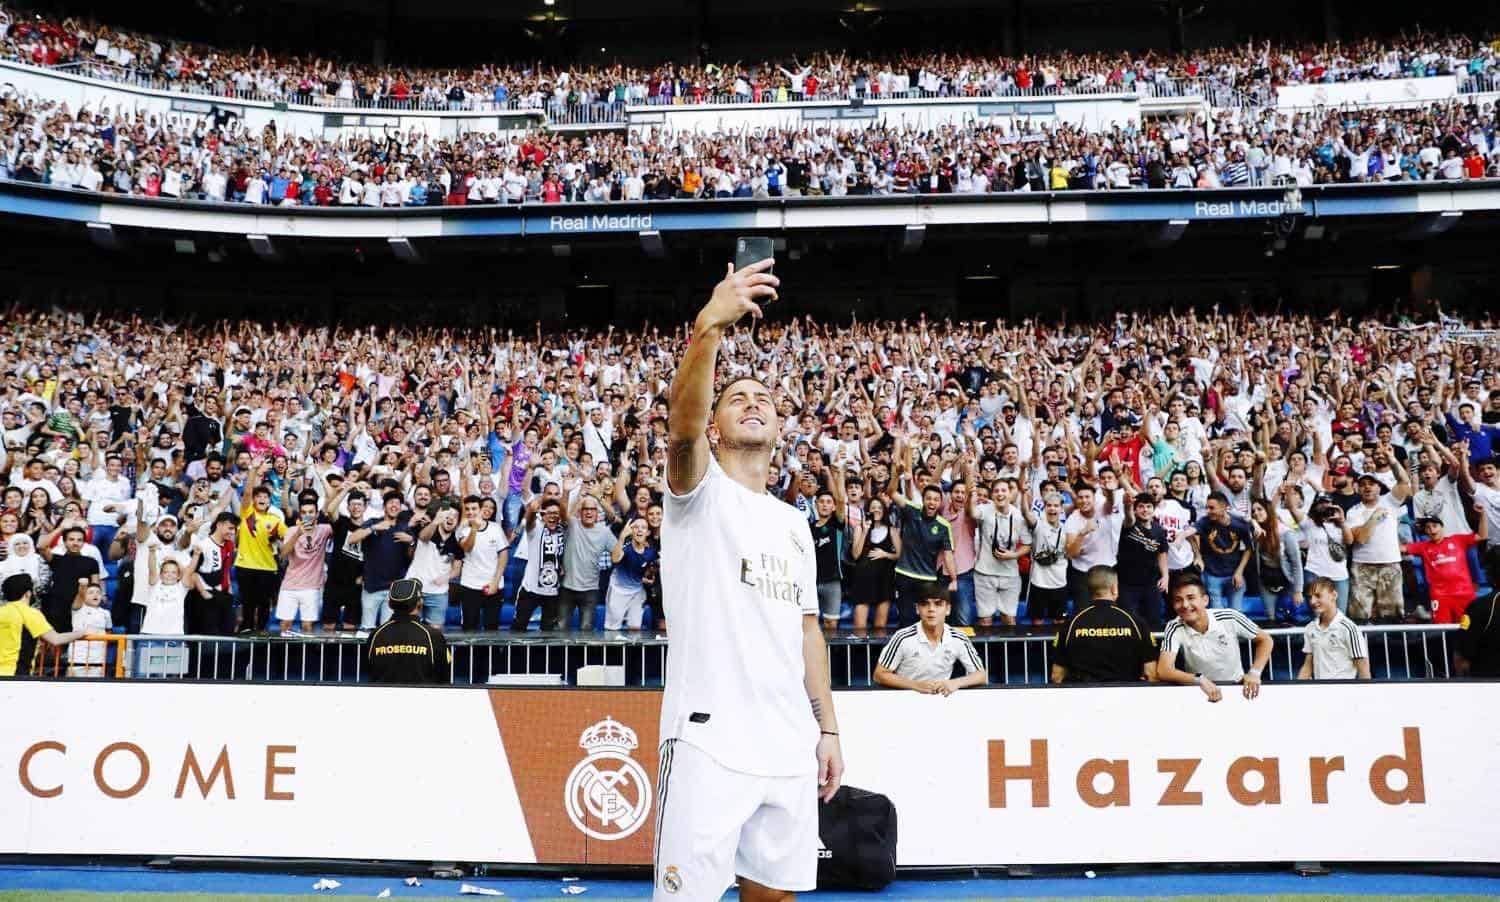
x,y
404,649
1478,653
1103,642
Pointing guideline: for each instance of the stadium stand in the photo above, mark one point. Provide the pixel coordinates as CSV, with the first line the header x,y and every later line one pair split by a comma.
x,y
1286,421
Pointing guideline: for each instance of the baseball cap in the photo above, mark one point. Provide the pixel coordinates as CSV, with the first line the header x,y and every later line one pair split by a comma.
x,y
405,593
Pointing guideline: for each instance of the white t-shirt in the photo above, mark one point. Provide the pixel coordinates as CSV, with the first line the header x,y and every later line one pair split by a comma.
x,y
1004,531
1215,653
165,609
1334,649
1490,499
1444,503
911,654
91,620
164,553
1384,546
481,560
739,575
1176,520
1048,538
431,566
1102,546
1327,555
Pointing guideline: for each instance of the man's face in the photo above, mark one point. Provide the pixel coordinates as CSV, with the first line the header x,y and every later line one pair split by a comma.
x,y
933,611
1369,491
1218,510
422,496
393,508
166,530
73,542
471,511
1190,604
262,502
214,469
932,499
1144,511
1236,480
551,514
588,513
746,417
1084,502
825,506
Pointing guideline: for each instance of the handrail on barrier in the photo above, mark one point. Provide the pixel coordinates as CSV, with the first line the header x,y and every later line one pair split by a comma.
x,y
88,656
1398,652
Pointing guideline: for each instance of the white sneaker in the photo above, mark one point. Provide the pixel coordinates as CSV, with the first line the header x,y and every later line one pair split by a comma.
x,y
361,634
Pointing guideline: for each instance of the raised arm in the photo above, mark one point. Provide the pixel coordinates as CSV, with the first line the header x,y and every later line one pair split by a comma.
x,y
693,384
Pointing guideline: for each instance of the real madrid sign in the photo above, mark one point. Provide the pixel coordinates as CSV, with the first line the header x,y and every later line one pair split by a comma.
x,y
608,794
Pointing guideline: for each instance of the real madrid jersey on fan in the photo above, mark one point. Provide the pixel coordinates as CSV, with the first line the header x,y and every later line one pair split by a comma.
x,y
734,664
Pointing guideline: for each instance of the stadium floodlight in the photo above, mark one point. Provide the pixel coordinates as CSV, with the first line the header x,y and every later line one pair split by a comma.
x,y
404,250
262,245
911,240
103,235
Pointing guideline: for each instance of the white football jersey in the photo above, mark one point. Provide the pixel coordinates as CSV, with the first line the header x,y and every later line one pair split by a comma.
x,y
738,575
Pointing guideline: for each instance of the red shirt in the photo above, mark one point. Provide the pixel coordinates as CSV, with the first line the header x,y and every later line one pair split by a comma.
x,y
1130,454
1446,563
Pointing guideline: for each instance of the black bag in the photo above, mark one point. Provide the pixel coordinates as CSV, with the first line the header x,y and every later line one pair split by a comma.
x,y
858,833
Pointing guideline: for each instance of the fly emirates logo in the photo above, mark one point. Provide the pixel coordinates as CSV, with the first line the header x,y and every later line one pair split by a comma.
x,y
1394,779
771,576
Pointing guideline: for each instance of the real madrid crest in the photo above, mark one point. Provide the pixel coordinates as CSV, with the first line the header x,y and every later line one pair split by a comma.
x,y
608,794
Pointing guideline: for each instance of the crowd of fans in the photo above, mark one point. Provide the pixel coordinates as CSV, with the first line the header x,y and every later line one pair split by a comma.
x,y
212,479
184,156
1253,69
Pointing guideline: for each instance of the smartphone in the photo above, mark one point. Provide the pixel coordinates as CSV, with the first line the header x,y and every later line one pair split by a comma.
x,y
748,251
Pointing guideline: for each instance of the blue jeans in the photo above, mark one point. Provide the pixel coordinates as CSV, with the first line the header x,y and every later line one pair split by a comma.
x,y
434,608
965,609
1222,592
512,512
103,536
1143,601
374,608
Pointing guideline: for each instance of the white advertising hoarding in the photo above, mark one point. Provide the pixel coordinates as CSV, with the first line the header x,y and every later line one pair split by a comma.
x,y
1368,772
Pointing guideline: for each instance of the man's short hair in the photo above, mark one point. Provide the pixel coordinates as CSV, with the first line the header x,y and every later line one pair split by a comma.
x,y
1219,497
473,499
388,497
226,517
1102,579
723,392
16,586
68,533
259,491
1185,579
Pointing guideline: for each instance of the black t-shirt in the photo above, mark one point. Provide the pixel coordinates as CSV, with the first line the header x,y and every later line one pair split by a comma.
x,y
1103,643
828,545
405,650
1479,637
347,563
923,538
1140,543
67,570
1345,501
1223,546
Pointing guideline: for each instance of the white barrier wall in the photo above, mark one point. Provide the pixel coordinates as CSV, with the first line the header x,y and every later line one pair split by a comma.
x,y
94,94
1092,111
1399,92
1351,772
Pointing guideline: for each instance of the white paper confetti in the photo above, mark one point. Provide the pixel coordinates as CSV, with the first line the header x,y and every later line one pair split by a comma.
x,y
325,883
575,890
384,894
412,881
570,879
469,889
1089,874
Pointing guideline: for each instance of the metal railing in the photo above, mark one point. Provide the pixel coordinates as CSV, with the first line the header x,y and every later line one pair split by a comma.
x,y
1400,652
